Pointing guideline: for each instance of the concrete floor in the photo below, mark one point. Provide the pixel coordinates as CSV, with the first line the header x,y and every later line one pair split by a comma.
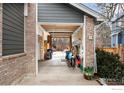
x,y
56,72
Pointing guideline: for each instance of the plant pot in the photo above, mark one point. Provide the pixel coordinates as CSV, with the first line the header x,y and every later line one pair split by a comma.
x,y
88,77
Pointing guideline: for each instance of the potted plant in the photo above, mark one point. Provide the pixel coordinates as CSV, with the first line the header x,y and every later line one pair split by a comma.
x,y
88,73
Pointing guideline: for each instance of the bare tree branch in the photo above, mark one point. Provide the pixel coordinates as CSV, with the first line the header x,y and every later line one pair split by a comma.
x,y
111,9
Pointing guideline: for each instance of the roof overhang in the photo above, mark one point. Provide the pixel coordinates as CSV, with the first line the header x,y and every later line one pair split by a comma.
x,y
89,11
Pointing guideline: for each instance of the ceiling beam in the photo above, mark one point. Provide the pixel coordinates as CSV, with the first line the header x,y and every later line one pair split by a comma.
x,y
60,31
61,37
60,34
51,23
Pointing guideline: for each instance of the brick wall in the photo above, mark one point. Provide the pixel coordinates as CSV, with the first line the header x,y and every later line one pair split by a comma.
x,y
103,36
89,31
16,66
77,35
0,30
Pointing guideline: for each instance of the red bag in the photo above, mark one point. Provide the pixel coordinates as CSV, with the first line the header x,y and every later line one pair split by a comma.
x,y
78,62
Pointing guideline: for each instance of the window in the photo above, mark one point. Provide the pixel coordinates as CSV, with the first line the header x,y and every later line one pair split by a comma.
x,y
13,28
114,40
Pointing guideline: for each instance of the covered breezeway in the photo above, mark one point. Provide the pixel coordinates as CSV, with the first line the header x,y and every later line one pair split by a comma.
x,y
75,22
56,72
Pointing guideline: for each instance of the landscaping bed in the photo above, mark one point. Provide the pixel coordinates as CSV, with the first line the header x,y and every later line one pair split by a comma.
x,y
109,68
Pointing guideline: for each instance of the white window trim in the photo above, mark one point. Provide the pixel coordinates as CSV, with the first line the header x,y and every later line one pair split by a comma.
x,y
25,24
26,9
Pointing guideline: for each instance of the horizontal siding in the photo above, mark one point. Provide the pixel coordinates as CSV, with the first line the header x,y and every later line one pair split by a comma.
x,y
57,12
122,37
114,37
13,28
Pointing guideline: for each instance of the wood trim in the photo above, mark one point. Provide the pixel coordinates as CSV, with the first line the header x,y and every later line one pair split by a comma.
x,y
13,56
48,23
84,42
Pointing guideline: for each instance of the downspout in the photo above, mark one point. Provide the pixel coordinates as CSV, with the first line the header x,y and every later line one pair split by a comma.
x,y
95,63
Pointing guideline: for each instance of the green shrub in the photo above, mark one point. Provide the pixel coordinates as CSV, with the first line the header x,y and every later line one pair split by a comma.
x,y
109,66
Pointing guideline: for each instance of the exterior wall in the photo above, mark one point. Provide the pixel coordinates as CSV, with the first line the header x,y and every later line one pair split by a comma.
x,y
0,31
77,36
114,42
77,40
89,43
14,67
58,13
123,37
61,43
117,27
103,36
13,28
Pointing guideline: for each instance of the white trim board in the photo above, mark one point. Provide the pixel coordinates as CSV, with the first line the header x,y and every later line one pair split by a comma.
x,y
87,10
84,42
36,45
51,23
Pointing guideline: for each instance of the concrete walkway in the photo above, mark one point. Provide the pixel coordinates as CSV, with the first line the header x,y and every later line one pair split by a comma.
x,y
56,72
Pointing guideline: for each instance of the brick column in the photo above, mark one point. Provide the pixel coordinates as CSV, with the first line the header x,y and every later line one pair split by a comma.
x,y
31,37
89,41
0,31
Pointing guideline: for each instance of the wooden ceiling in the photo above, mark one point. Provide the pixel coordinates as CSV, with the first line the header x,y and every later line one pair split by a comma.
x,y
60,30
60,34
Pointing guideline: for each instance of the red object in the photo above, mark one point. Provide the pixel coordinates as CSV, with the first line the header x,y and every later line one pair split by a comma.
x,y
78,62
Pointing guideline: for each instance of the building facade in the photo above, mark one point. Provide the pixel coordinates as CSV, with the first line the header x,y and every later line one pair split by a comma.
x,y
17,41
117,34
22,36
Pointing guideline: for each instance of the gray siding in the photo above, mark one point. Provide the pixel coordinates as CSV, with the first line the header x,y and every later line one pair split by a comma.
x,y
121,38
116,28
49,12
114,37
13,29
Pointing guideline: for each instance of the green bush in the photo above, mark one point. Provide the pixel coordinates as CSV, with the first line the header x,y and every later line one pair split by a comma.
x,y
109,66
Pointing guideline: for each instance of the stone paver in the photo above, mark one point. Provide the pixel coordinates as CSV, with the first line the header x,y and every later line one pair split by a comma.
x,y
56,72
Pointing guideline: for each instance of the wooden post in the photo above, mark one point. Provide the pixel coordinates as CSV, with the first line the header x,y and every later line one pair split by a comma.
x,y
121,53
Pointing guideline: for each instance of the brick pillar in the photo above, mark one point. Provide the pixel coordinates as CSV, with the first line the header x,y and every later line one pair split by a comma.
x,y
89,41
0,32
31,37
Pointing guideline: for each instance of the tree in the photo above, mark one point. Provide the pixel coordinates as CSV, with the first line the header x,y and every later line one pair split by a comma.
x,y
111,10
